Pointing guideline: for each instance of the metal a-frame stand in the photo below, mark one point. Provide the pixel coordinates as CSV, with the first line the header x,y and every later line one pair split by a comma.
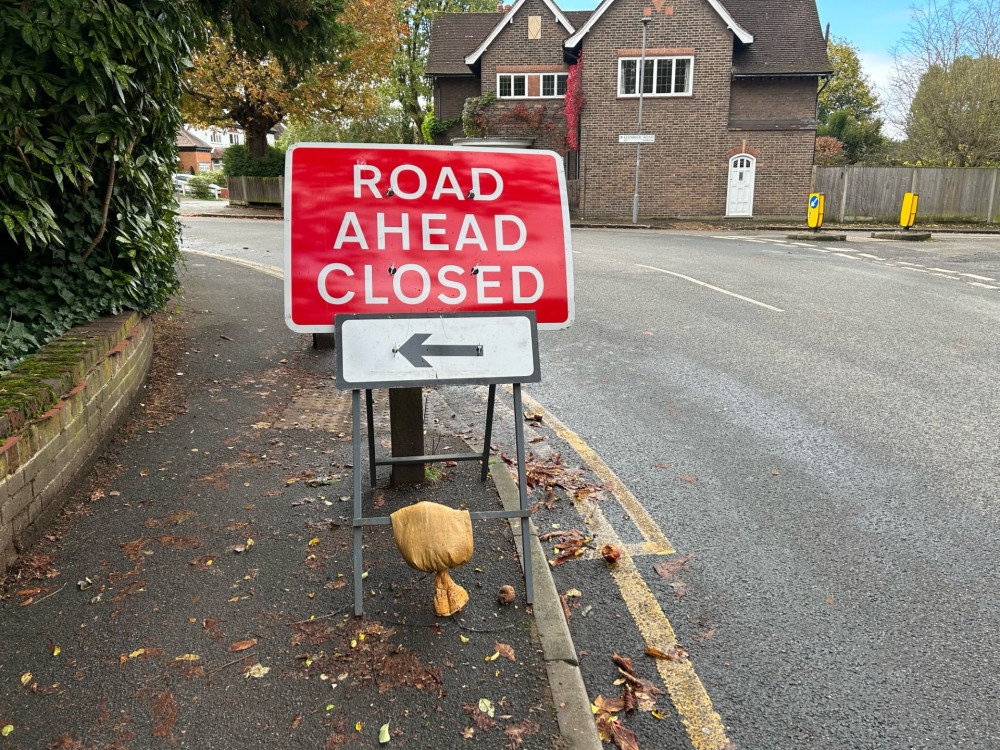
x,y
360,520
385,351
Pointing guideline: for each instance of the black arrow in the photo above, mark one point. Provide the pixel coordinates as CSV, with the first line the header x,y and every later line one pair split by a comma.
x,y
414,350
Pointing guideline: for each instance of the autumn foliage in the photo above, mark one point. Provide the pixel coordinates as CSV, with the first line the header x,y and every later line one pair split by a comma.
x,y
227,86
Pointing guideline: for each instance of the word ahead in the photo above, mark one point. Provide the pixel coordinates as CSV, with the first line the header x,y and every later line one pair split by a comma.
x,y
380,229
411,349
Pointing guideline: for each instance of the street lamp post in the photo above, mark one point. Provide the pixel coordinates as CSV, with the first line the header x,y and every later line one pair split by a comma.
x,y
640,73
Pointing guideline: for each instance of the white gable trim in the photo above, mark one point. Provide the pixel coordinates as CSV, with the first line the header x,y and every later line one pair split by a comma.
x,y
508,18
742,34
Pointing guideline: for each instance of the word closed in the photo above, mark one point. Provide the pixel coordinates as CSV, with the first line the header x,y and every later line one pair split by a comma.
x,y
381,229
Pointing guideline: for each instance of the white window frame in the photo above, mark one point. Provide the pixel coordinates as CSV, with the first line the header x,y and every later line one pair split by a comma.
x,y
657,62
525,76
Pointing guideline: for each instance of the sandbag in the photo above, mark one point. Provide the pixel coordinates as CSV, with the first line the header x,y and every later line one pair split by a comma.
x,y
433,538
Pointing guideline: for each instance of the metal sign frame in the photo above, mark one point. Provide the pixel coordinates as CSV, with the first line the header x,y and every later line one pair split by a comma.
x,y
360,520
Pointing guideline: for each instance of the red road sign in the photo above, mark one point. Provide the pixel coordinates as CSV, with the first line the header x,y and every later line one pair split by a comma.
x,y
372,228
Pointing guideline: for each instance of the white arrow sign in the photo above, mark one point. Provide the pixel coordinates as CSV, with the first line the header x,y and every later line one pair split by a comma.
x,y
380,351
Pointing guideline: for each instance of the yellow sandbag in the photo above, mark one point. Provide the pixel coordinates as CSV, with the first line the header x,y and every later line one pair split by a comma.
x,y
449,597
433,537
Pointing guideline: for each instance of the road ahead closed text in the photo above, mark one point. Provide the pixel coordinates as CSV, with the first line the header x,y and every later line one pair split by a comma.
x,y
376,229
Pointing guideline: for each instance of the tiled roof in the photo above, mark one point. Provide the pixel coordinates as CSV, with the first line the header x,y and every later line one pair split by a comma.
x,y
787,37
455,35
189,141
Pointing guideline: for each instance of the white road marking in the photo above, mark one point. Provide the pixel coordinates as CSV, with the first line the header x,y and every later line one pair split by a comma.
x,y
911,268
984,286
873,257
750,240
980,278
904,263
939,270
725,237
946,276
844,255
713,288
838,249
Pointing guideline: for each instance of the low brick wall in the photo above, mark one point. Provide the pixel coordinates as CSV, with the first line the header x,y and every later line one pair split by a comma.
x,y
57,409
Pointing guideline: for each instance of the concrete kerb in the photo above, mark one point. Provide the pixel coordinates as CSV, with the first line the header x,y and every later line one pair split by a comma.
x,y
576,720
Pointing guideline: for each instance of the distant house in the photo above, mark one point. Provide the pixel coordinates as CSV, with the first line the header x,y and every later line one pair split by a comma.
x,y
728,96
193,154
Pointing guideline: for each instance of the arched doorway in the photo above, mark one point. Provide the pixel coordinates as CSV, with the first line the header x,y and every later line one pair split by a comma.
x,y
739,195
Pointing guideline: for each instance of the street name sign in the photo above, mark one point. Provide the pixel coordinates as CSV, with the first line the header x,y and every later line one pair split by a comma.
x,y
637,138
416,349
389,229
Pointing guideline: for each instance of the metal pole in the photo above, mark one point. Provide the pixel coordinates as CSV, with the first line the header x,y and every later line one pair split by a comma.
x,y
638,146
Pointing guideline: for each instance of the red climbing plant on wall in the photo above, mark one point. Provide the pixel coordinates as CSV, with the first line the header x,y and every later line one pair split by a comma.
x,y
574,104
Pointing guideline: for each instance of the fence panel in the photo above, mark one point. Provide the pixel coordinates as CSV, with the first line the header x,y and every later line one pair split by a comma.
x,y
956,194
257,190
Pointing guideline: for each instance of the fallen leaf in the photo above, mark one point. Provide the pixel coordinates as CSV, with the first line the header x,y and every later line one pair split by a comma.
x,y
671,568
26,678
687,478
572,593
242,645
56,650
467,732
164,714
314,541
383,733
661,466
507,652
257,670
462,638
7,729
486,706
187,657
775,472
517,732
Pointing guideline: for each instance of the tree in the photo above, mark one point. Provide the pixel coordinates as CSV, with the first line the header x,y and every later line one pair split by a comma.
x,y
848,87
227,85
90,92
848,107
948,79
386,124
410,86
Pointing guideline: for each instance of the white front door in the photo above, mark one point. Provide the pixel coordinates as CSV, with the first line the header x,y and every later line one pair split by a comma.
x,y
739,196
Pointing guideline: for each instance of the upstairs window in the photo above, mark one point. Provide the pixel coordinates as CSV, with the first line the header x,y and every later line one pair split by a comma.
x,y
661,76
531,85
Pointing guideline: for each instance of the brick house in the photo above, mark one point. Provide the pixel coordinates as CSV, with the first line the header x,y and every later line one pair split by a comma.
x,y
728,93
193,154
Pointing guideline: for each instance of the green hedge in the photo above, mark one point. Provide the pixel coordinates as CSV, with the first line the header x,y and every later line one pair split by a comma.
x,y
89,118
238,162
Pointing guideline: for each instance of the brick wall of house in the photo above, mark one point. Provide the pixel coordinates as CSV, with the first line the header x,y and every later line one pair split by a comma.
x,y
192,159
513,51
783,170
683,173
773,99
449,98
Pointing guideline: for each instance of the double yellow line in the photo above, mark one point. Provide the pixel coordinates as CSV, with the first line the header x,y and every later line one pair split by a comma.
x,y
686,691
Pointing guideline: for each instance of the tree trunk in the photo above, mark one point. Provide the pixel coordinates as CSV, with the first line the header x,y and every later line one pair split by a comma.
x,y
257,138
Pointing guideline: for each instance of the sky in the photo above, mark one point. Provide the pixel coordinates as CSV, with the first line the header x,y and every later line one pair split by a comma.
x,y
874,27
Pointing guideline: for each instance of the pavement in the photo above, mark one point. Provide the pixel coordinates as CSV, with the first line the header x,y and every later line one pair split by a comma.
x,y
197,591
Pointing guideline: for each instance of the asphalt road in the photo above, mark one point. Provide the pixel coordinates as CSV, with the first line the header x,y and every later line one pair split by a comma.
x,y
818,424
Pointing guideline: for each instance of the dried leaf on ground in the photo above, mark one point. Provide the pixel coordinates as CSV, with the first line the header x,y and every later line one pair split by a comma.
x,y
164,714
134,550
479,717
518,732
242,645
257,671
623,663
671,568
687,478
507,652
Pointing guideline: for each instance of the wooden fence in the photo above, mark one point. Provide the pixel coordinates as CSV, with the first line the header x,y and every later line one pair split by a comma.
x,y
946,193
245,191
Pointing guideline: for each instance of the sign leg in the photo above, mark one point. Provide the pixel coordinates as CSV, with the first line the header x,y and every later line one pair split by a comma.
x,y
356,471
406,418
369,407
489,432
522,491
